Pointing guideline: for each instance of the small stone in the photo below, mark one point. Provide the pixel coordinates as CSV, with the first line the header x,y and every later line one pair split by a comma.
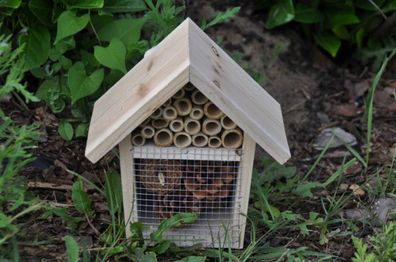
x,y
357,190
343,187
339,135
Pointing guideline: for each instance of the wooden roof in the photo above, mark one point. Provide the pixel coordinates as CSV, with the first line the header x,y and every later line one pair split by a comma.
x,y
186,55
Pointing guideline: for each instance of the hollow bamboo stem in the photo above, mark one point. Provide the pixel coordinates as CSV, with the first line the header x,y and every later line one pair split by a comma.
x,y
183,106
169,113
200,140
231,138
163,137
182,139
156,114
179,94
138,140
167,103
227,123
147,132
176,125
198,98
196,113
211,127
214,142
159,123
212,111
189,87
192,126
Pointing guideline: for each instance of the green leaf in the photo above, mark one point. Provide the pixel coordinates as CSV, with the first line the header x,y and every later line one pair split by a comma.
x,y
81,85
341,32
192,259
71,249
14,4
359,37
83,4
82,130
221,17
125,6
42,10
112,56
280,13
176,220
307,15
127,30
43,92
328,42
390,6
70,24
80,198
113,191
162,247
340,14
38,44
65,130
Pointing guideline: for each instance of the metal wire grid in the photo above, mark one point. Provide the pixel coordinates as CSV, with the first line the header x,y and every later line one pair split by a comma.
x,y
168,185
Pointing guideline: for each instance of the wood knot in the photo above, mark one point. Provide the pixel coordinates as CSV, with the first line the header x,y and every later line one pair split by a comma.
x,y
216,83
215,51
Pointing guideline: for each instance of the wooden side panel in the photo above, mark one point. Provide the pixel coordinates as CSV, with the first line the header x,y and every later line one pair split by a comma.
x,y
237,94
128,183
139,93
243,190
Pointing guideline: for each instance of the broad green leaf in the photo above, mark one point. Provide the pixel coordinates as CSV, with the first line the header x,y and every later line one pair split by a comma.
x,y
113,191
13,4
280,13
340,14
390,6
162,247
81,85
176,220
112,56
307,15
82,130
84,4
342,32
80,198
65,130
359,37
72,249
124,6
38,44
328,42
192,259
70,24
43,92
42,10
127,30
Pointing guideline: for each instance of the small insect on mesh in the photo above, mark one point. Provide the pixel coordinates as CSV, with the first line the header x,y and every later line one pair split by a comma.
x,y
204,181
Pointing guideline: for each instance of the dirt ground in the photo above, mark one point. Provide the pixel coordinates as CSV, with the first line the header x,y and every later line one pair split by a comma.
x,y
314,92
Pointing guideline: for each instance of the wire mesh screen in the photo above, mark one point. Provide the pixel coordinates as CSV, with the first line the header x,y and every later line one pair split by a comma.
x,y
201,180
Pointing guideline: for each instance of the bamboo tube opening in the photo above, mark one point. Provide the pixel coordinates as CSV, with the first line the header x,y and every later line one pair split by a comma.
x,y
169,113
156,114
212,111
179,94
196,113
198,98
231,138
176,125
146,122
159,123
200,140
182,139
138,140
189,87
183,106
227,123
192,126
147,132
211,127
163,137
167,103
214,142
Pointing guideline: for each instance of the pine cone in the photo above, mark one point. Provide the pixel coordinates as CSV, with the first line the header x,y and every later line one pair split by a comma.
x,y
178,202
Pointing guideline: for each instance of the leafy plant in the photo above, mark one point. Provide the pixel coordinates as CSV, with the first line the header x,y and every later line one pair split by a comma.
x,y
332,24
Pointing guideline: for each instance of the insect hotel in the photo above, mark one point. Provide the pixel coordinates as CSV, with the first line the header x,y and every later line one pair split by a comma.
x,y
186,120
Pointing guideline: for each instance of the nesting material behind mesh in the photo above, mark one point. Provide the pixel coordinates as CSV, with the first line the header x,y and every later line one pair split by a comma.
x,y
205,181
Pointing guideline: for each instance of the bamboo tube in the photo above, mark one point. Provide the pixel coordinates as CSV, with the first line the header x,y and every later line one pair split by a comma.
x,y
214,142
147,132
167,103
183,106
182,139
231,138
212,111
176,125
146,122
196,113
138,140
169,113
159,123
163,137
189,87
200,140
156,114
198,98
211,127
227,123
192,126
179,94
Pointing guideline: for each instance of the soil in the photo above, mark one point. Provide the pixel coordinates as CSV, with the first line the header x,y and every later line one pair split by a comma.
x,y
315,93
